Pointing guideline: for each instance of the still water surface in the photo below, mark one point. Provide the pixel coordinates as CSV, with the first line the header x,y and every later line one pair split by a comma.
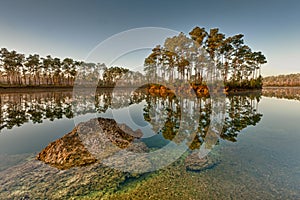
x,y
258,150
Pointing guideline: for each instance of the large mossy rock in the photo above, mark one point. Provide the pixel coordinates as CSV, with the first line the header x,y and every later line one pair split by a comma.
x,y
66,152
90,142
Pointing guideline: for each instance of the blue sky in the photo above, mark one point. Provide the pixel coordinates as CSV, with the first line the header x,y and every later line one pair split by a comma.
x,y
73,28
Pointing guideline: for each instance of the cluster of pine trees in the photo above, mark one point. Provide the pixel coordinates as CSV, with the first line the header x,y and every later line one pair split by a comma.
x,y
183,58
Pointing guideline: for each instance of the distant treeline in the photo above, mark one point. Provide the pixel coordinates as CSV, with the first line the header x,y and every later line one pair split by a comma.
x,y
291,80
17,70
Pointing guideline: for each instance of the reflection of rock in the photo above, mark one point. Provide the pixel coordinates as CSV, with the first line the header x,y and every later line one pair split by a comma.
x,y
196,164
88,142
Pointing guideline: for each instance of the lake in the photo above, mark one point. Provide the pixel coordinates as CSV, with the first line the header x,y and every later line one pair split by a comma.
x,y
254,155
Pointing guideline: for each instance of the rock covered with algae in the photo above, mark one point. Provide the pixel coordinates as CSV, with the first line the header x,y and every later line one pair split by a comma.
x,y
90,142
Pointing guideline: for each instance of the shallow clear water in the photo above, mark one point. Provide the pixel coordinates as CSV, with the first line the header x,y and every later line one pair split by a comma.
x,y
258,153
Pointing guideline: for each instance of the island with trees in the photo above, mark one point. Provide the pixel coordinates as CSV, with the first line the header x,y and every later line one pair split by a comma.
x,y
184,58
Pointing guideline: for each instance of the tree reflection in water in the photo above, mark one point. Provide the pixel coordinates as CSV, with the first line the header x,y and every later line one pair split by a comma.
x,y
292,93
241,111
163,112
19,108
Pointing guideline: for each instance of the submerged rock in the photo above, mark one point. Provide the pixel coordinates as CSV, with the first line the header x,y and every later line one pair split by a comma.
x,y
195,163
37,180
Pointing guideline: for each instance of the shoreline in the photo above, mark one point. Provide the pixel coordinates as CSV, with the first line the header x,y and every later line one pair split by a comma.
x,y
33,89
70,88
266,87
